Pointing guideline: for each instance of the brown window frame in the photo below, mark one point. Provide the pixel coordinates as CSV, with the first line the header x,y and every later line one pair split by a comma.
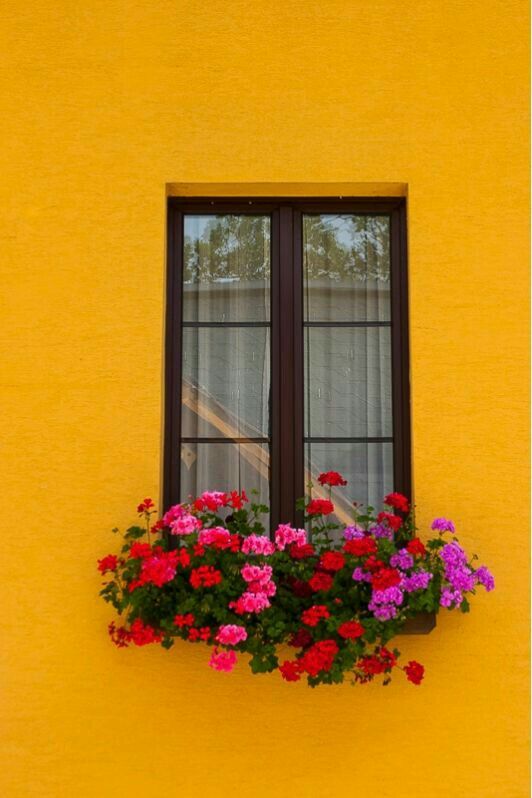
x,y
286,424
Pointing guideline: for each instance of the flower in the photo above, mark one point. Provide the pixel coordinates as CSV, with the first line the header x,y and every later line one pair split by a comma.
x,y
141,634
109,563
319,657
285,534
320,507
157,569
350,630
402,560
393,521
331,478
353,532
210,500
184,620
485,577
442,525
205,576
300,639
332,561
320,581
139,551
301,552
237,500
315,614
414,672
360,546
417,581
250,602
416,547
203,633
256,573
185,525
231,634
359,575
290,670
171,515
257,544
223,660
216,536
145,506
398,501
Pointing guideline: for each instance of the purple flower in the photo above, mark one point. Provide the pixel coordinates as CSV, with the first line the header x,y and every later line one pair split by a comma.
x,y
448,597
354,532
391,595
485,577
452,554
385,613
417,581
359,575
402,560
381,531
443,525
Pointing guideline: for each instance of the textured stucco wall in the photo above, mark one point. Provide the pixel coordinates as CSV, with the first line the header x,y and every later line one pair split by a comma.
x,y
106,102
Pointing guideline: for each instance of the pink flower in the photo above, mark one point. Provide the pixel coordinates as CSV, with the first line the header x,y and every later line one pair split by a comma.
x,y
171,515
222,660
215,534
286,535
256,573
231,634
257,544
250,602
185,525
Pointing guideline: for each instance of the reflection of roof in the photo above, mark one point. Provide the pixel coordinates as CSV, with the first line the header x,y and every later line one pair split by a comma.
x,y
213,413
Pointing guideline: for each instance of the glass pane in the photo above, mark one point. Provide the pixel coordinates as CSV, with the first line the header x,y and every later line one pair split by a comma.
x,y
226,382
226,268
346,267
348,392
367,467
225,467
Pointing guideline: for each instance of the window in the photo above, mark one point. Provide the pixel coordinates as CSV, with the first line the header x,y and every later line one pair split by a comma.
x,y
286,349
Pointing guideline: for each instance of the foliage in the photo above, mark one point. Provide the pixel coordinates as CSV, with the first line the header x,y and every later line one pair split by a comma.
x,y
206,572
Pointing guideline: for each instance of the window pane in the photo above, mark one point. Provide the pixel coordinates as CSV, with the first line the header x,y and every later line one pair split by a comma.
x,y
226,268
348,382
224,467
346,267
367,467
226,382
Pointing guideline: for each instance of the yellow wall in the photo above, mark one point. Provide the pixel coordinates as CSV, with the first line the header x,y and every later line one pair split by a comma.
x,y
106,103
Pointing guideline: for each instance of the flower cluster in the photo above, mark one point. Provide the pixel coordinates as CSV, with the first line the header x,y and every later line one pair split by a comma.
x,y
206,572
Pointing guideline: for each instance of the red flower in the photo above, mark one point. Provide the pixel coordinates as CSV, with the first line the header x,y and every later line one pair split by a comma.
x,y
381,661
332,478
184,620
320,507
314,614
108,563
300,639
301,552
119,635
350,630
139,551
290,670
145,506
320,581
237,500
360,546
205,576
414,672
158,525
198,550
393,521
398,501
384,578
204,633
332,561
142,634
415,547
319,657
373,564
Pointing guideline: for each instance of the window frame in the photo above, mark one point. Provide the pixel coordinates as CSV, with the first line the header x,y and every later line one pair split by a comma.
x,y
287,339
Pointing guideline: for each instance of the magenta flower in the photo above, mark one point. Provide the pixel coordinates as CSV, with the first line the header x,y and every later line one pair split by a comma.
x,y
443,525
222,660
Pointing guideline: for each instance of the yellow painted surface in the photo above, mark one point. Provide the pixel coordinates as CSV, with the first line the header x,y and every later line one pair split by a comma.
x,y
108,105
